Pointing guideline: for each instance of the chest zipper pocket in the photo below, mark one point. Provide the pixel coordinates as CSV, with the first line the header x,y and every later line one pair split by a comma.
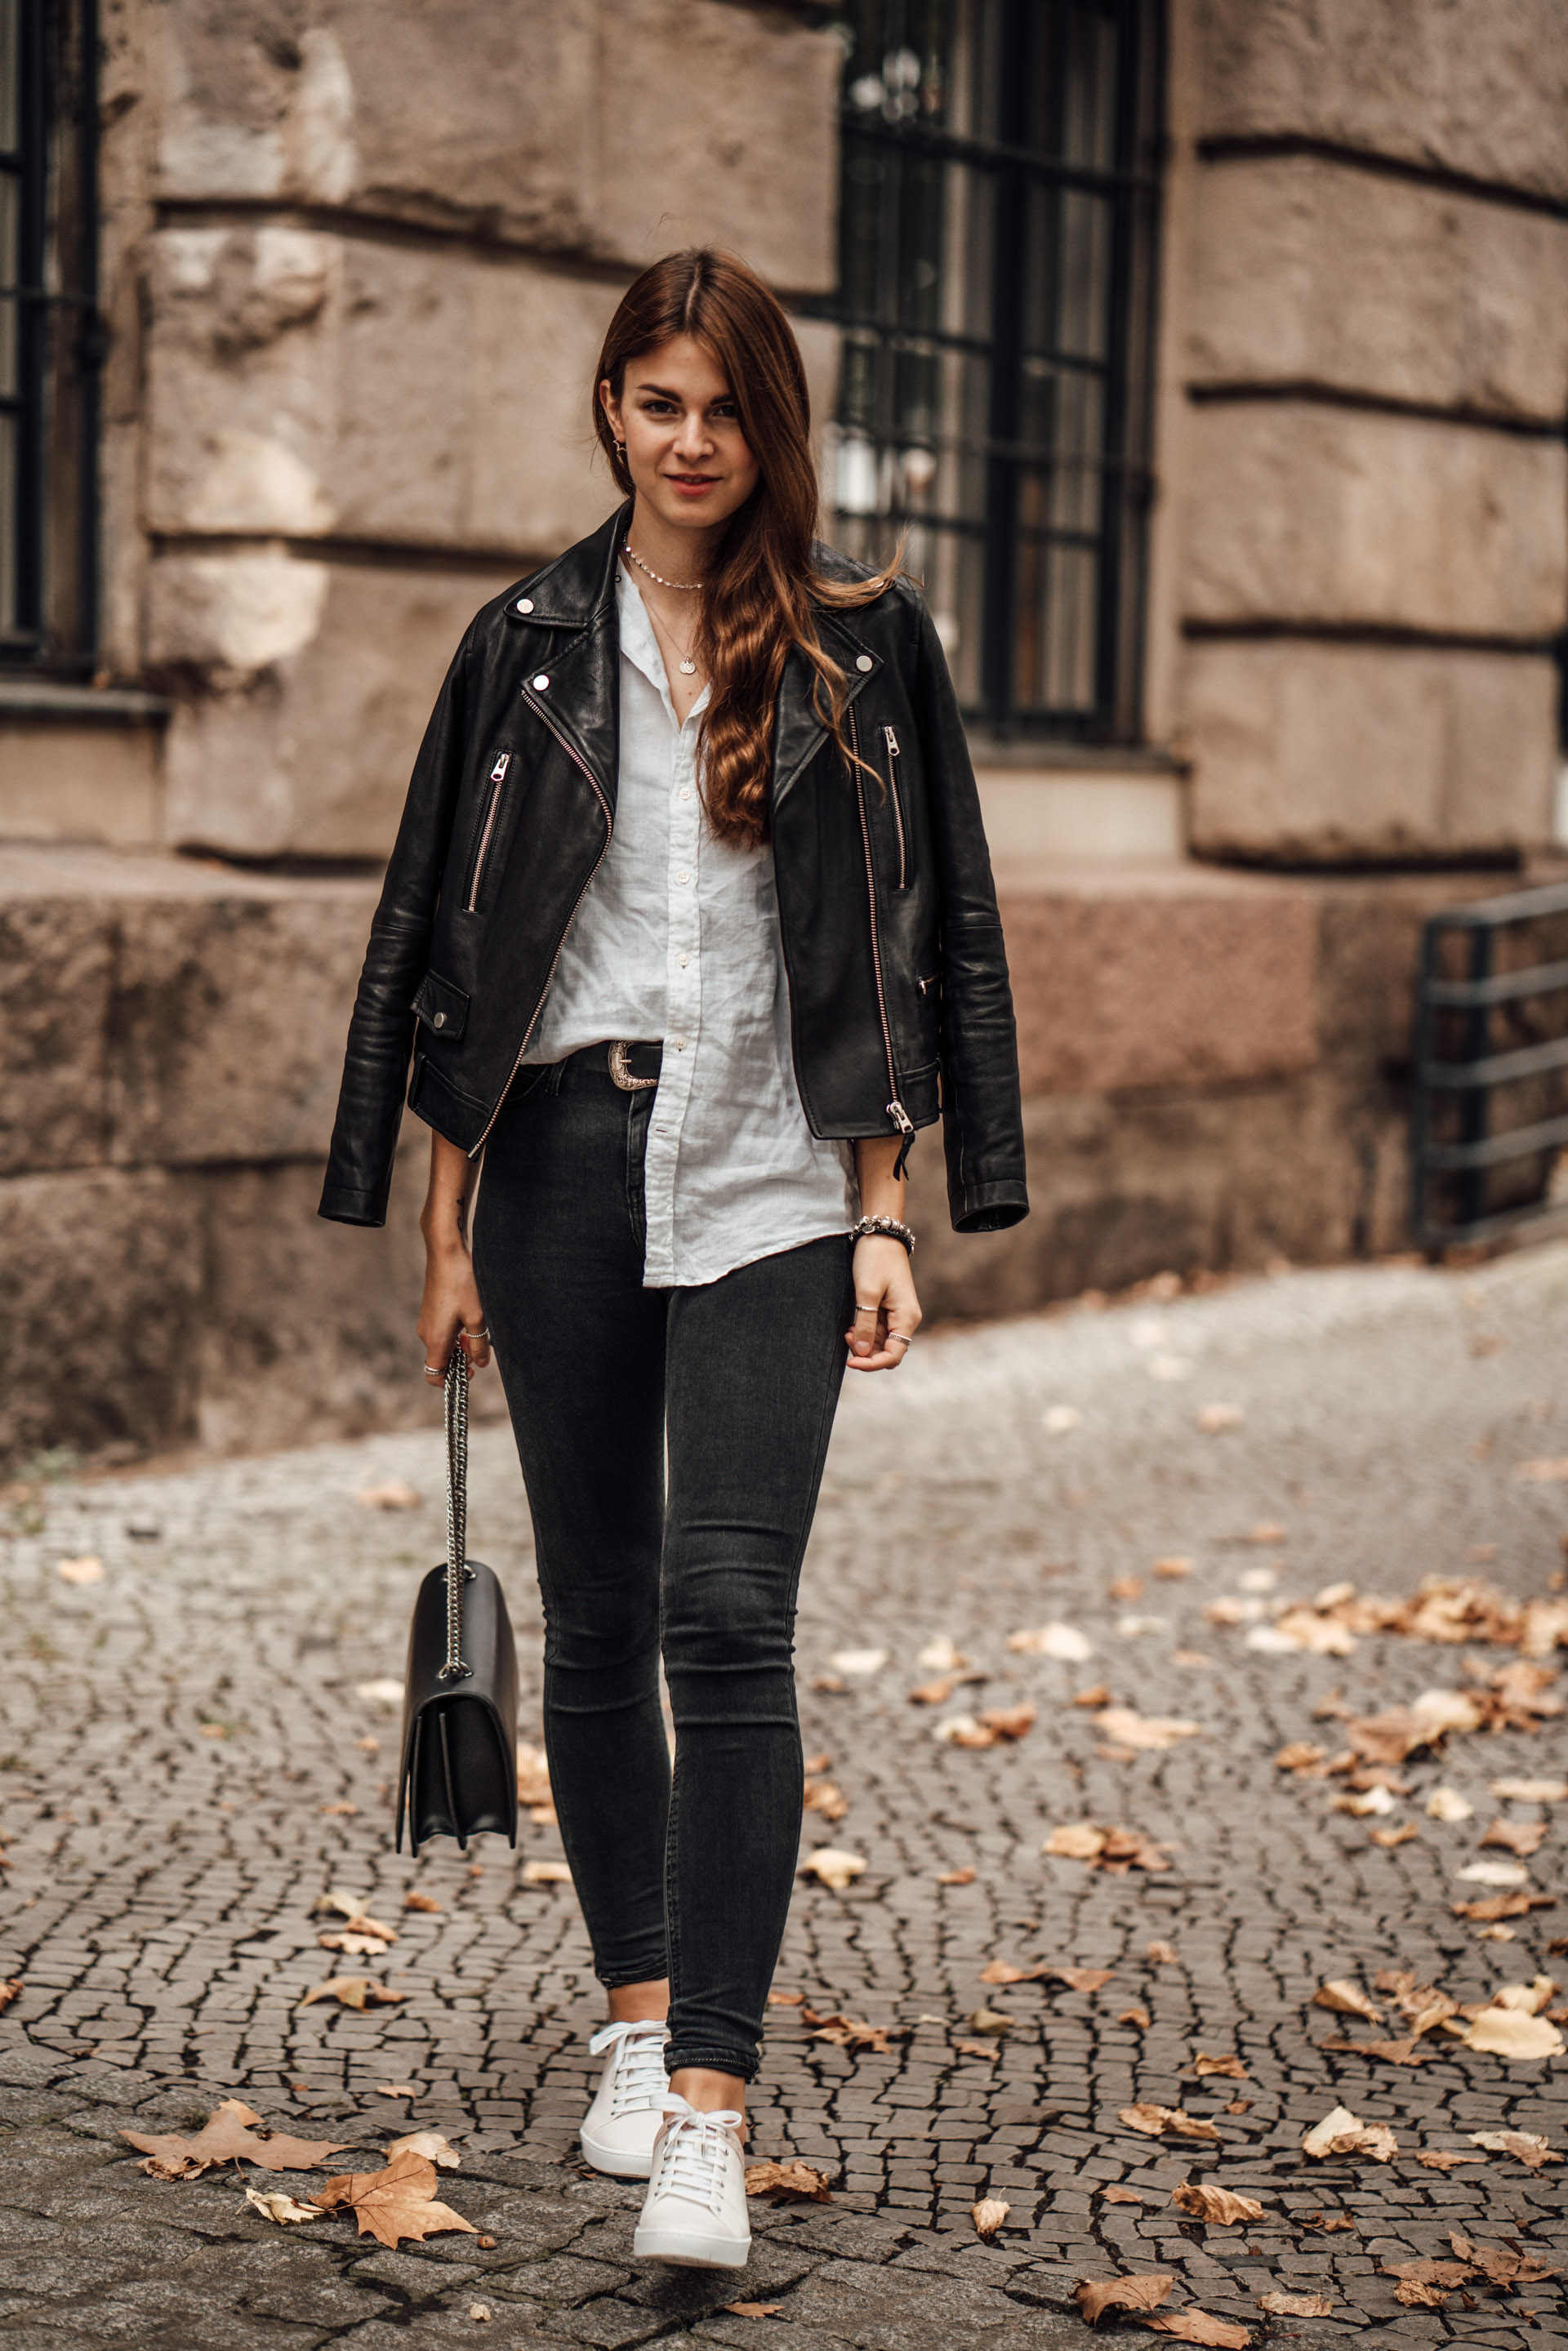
x,y
890,738
487,832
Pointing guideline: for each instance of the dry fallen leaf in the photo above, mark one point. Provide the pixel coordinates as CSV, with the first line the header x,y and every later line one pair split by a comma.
x,y
395,2202
852,2032
822,1798
1082,1978
479,2310
989,2050
832,1867
1347,1998
1133,1729
989,2215
384,1692
1361,1801
1328,2222
1075,1841
1216,1417
1343,2133
994,2021
80,1571
232,2132
1230,2066
1532,1792
1448,1804
1526,2146
546,1872
1500,2264
352,1946
1218,2206
428,2142
1192,2325
1096,1695
1425,2285
1154,2121
1137,2016
1521,1837
12,1989
343,1810
937,1693
1296,2305
394,2089
350,1992
1300,1755
793,2181
1503,1906
1064,1642
1389,1838
858,1662
753,2309
1443,2158
395,1494
1173,1567
275,2206
1121,2196
1095,2297
1515,2035
964,1877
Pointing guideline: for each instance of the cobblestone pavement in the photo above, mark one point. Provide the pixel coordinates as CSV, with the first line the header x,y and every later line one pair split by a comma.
x,y
189,1762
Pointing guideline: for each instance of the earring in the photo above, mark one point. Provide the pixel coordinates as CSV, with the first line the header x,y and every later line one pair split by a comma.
x,y
621,451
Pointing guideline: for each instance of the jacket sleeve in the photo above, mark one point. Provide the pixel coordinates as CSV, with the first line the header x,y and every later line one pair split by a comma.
x,y
381,1029
982,1116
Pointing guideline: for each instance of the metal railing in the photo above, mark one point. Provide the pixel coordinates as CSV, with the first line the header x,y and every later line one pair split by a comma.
x,y
1470,1144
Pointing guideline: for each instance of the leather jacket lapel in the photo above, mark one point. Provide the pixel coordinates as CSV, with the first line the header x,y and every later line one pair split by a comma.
x,y
800,726
581,701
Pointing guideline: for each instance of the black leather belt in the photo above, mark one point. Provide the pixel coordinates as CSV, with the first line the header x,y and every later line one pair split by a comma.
x,y
632,1067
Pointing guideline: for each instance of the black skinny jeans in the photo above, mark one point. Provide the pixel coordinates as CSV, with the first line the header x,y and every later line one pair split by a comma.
x,y
689,1873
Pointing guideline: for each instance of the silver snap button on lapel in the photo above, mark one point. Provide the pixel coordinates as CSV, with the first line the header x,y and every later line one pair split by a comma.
x,y
865,662
540,683
440,1020
525,603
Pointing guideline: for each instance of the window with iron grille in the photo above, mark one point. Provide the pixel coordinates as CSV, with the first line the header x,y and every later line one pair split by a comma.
x,y
51,344
996,305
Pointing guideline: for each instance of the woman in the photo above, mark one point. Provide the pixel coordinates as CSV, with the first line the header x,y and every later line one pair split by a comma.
x,y
688,922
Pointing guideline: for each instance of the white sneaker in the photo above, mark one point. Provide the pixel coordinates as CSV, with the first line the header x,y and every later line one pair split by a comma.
x,y
628,2110
694,2212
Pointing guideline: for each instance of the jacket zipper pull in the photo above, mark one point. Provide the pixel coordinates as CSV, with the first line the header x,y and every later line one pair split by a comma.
x,y
905,1126
889,736
498,772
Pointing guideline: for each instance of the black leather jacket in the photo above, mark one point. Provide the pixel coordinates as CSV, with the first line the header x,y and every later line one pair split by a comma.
x,y
899,1009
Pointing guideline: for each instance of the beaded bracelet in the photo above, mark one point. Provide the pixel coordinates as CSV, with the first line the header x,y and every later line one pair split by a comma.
x,y
870,1227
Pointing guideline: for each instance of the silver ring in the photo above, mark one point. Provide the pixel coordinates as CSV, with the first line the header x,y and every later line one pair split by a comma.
x,y
477,1334
434,1372
903,1340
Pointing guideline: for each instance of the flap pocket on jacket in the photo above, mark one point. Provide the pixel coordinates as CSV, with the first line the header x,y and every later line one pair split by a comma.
x,y
440,1005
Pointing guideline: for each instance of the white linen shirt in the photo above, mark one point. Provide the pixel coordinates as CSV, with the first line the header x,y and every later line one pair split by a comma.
x,y
677,939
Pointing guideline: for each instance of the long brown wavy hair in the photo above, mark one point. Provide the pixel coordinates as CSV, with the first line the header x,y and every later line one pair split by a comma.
x,y
756,601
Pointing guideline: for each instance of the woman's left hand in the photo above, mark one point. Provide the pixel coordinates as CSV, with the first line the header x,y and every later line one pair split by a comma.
x,y
887,1312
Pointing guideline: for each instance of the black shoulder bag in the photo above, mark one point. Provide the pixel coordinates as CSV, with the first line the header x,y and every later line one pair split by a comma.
x,y
459,1769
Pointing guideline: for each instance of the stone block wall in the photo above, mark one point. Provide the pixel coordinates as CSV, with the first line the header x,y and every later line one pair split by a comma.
x,y
1363,544
360,257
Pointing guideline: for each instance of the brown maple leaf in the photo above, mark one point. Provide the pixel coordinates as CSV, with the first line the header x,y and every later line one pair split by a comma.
x,y
415,1901
350,1992
794,2182
232,2132
1218,2205
1229,2065
1095,2297
1194,2325
851,2031
395,2202
9,1990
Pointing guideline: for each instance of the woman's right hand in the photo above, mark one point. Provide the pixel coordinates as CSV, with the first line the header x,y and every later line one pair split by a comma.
x,y
451,1304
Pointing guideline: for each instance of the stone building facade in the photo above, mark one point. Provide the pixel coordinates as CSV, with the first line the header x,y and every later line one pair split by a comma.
x,y
352,260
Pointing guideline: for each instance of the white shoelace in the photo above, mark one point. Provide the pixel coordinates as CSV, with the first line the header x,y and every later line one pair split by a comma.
x,y
641,2078
692,2152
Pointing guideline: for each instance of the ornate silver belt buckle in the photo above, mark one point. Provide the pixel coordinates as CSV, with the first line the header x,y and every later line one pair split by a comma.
x,y
621,1074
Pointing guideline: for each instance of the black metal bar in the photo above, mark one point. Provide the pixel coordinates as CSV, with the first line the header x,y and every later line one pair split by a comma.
x,y
1006,387
91,347
1419,1101
1512,906
990,154
1497,1150
1505,987
1489,1070
1475,1105
32,192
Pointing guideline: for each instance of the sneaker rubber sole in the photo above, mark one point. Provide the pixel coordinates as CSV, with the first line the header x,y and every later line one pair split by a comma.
x,y
618,2162
691,2249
